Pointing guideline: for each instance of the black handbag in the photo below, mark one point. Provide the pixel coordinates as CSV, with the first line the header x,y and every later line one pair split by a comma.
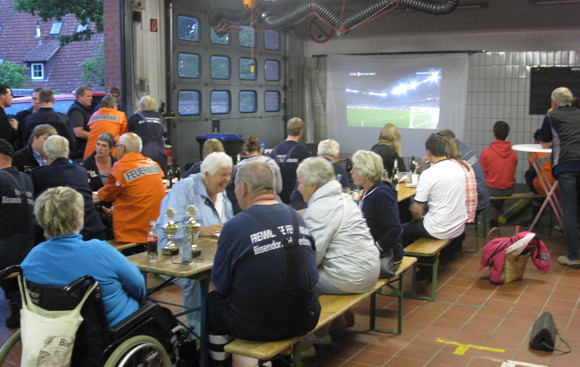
x,y
543,334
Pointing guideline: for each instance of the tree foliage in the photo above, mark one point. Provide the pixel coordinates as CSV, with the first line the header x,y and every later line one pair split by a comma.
x,y
94,69
84,10
14,75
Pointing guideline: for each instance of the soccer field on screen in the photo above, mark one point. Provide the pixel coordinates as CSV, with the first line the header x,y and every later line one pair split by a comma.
x,y
378,117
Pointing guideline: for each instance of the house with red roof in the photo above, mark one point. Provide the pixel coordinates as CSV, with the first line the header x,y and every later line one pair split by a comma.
x,y
26,40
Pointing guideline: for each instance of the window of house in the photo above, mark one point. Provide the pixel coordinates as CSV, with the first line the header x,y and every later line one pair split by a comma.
x,y
81,27
272,70
220,102
220,67
56,27
272,40
214,38
37,71
271,101
246,36
245,69
248,101
188,65
189,102
187,28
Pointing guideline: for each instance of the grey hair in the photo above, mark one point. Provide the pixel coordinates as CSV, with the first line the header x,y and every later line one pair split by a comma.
x,y
257,176
147,103
315,170
58,211
329,147
55,147
369,165
214,162
132,142
107,138
562,96
109,101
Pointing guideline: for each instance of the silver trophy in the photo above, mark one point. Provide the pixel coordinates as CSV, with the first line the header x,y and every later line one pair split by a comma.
x,y
190,228
170,228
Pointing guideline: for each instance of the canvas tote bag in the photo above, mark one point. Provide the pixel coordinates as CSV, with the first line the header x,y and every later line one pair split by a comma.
x,y
47,336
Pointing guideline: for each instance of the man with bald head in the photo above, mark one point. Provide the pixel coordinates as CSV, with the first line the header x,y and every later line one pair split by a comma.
x,y
135,185
561,131
264,269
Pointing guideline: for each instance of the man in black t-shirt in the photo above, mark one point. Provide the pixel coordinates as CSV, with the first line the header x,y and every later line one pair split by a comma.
x,y
288,155
16,229
79,114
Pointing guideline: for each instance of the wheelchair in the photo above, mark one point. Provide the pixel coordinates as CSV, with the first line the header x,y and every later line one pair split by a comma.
x,y
151,336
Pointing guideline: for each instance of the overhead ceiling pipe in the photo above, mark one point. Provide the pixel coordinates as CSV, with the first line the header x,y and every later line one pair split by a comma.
x,y
276,16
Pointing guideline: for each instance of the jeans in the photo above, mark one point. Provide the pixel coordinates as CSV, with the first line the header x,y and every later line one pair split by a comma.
x,y
325,287
570,193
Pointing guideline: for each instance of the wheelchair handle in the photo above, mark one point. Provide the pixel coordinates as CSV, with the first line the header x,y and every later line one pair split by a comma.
x,y
9,271
77,283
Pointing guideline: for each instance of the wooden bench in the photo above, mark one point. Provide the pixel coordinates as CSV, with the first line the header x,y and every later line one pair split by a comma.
x,y
427,248
332,307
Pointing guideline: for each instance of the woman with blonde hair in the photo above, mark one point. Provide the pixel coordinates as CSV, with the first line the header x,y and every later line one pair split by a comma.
x,y
389,148
210,146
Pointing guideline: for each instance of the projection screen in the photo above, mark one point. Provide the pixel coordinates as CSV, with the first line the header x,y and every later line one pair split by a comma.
x,y
419,94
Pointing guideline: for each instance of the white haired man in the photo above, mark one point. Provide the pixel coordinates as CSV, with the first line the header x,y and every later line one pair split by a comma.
x,y
328,149
60,172
148,124
135,185
561,131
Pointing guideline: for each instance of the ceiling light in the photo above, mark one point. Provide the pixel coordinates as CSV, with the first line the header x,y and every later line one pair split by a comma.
x,y
552,2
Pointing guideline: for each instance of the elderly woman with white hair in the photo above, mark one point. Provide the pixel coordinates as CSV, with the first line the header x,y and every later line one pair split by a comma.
x,y
205,190
379,205
65,257
347,258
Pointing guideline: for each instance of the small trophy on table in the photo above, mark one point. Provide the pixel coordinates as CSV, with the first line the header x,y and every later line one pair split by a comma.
x,y
169,229
191,228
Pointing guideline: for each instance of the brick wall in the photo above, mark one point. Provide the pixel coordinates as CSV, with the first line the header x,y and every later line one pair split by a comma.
x,y
112,43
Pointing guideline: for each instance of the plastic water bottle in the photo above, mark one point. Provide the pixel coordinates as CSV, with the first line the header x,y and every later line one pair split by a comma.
x,y
186,251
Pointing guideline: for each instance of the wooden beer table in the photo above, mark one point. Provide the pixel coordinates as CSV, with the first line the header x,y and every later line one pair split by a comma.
x,y
199,269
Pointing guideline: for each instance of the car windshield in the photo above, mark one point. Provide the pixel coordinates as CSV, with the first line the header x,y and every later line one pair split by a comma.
x,y
17,107
62,106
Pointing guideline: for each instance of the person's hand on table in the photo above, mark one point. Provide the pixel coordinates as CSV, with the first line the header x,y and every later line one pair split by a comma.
x,y
211,231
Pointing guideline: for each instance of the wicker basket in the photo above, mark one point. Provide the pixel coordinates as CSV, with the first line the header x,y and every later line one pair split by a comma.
x,y
514,266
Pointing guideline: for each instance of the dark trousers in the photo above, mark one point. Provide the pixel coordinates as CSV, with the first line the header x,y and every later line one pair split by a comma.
x,y
413,231
570,193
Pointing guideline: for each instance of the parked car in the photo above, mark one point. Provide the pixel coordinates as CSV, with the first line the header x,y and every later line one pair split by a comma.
x,y
61,104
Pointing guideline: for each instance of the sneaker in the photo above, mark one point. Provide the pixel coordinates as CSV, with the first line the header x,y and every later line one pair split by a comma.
x,y
316,340
13,321
574,264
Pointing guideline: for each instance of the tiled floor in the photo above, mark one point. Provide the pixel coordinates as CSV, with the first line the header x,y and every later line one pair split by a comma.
x,y
472,323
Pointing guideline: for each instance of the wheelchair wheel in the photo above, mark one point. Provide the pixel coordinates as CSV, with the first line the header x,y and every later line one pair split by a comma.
x,y
140,350
11,351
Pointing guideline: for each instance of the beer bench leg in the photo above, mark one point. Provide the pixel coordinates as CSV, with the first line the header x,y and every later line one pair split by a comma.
x,y
398,293
434,269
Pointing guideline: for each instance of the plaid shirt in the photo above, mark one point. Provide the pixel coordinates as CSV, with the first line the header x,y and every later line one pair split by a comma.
x,y
470,192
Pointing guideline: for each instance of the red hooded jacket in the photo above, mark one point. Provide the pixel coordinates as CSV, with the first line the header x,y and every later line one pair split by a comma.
x,y
499,164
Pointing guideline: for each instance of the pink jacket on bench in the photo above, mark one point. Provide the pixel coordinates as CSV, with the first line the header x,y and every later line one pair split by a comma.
x,y
493,255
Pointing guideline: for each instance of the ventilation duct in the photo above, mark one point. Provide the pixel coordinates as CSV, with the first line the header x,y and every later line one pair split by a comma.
x,y
278,16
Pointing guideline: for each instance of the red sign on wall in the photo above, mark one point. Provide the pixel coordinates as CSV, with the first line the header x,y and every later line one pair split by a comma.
x,y
153,25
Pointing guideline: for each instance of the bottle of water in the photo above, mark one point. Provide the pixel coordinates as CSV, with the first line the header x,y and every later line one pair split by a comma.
x,y
186,250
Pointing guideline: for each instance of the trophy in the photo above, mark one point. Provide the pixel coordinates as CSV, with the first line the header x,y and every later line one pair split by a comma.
x,y
190,228
169,229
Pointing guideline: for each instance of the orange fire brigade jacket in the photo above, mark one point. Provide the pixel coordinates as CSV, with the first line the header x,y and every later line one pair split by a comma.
x,y
135,184
105,120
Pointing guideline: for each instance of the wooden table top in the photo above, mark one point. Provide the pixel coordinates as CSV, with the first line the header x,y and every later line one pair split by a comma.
x,y
405,192
171,265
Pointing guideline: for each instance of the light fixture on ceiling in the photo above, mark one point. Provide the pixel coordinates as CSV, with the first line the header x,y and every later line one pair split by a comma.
x,y
552,2
473,6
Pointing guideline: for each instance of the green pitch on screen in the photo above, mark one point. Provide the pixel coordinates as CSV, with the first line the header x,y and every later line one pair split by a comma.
x,y
378,117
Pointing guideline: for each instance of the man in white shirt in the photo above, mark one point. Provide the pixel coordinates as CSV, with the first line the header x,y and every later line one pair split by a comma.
x,y
443,187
